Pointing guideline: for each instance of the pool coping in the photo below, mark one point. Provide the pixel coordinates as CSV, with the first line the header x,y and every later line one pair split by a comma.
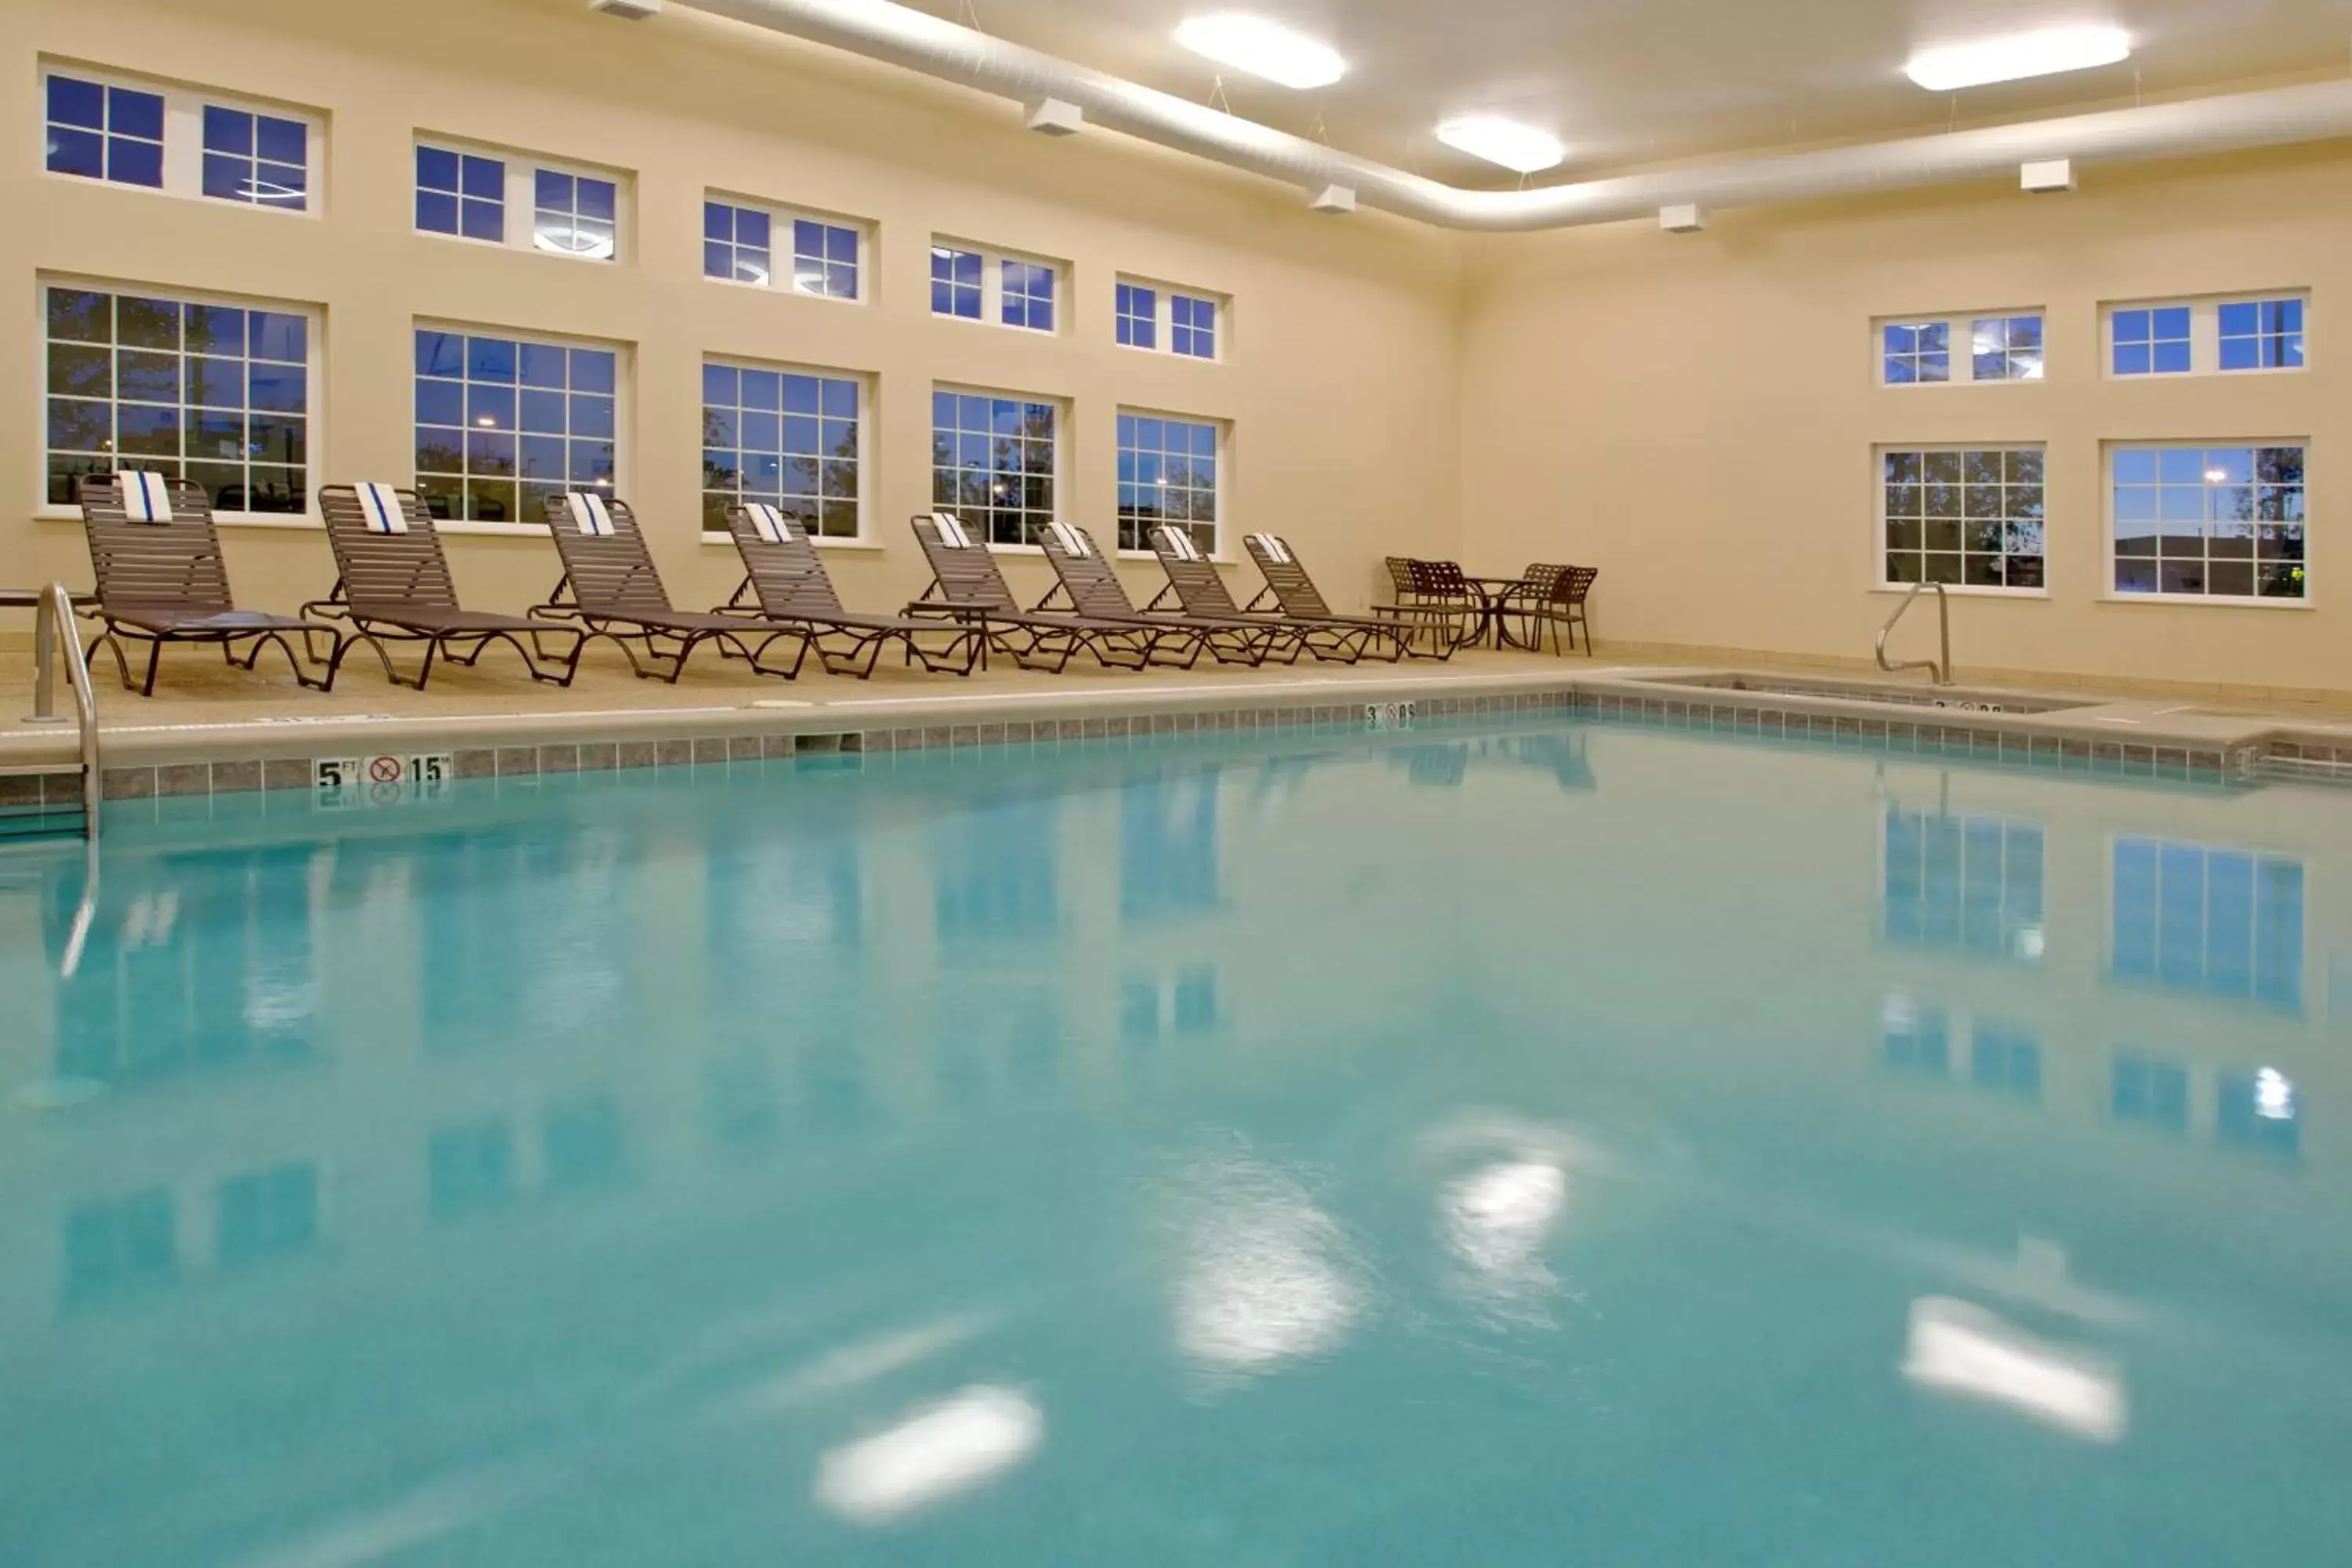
x,y
2134,736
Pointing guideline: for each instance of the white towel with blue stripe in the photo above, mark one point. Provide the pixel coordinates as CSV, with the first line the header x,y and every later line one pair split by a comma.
x,y
951,534
1073,543
1275,550
769,523
380,504
146,498
1180,543
589,515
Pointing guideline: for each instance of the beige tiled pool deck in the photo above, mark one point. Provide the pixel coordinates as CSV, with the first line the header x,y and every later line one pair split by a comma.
x,y
212,729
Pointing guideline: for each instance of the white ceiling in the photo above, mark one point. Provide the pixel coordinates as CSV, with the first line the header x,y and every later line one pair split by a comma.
x,y
1628,81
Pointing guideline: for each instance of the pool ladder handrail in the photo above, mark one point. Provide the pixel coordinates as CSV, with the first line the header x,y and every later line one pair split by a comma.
x,y
54,622
1940,673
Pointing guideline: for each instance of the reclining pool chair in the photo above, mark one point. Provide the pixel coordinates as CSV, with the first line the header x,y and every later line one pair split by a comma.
x,y
785,580
392,584
967,587
1290,586
1095,591
1192,579
161,579
611,586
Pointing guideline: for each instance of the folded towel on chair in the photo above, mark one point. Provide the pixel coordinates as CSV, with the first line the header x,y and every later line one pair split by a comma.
x,y
381,504
146,496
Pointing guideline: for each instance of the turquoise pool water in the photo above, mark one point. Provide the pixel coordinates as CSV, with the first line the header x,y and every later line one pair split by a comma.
x,y
1535,1145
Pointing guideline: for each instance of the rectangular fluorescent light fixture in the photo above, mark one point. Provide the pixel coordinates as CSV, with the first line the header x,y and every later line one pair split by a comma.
x,y
1263,48
1505,141
2015,57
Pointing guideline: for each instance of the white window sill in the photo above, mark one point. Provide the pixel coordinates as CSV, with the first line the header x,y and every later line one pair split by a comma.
x,y
1967,591
490,530
308,211
727,542
222,519
2209,601
980,322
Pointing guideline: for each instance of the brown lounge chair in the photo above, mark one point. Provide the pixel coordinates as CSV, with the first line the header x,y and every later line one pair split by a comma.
x,y
1095,591
1290,586
611,586
786,579
161,579
967,587
1192,579
392,584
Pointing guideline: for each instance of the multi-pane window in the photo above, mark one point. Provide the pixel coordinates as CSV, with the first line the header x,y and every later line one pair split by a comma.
x,y
2152,340
995,459
1970,516
1192,331
2221,923
573,215
789,438
1920,350
1167,474
463,193
2261,335
824,258
268,1215
1167,319
2209,521
956,278
116,1245
974,284
261,159
735,243
519,201
105,132
214,393
1138,316
503,422
1028,295
2144,1089
2006,348
1964,884
2006,1056
1917,351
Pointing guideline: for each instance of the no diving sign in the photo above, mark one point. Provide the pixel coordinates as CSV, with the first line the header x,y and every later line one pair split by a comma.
x,y
343,782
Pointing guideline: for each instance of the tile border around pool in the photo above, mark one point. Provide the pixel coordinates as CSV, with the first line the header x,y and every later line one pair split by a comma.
x,y
1954,735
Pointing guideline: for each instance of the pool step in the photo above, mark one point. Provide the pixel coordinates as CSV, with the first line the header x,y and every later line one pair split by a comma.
x,y
35,821
38,801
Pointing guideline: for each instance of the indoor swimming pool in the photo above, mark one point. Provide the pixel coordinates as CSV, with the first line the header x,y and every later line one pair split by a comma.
x,y
1532,1144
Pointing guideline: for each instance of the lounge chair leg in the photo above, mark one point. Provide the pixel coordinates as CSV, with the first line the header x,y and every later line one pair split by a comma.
x,y
114,646
154,658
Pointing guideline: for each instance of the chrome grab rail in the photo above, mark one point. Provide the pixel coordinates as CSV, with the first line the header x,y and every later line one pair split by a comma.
x,y
54,621
1941,674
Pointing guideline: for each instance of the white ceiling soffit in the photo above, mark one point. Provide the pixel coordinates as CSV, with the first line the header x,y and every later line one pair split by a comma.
x,y
924,43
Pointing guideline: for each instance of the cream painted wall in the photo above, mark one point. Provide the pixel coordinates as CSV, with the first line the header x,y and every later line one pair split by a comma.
x,y
1339,381
1696,415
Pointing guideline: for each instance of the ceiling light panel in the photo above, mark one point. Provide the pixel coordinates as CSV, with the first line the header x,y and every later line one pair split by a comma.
x,y
2013,58
1263,48
1505,142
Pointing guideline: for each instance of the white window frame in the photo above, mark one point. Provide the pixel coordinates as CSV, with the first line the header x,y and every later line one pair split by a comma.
x,y
2204,333
1960,327
518,216
1163,317
1224,429
624,357
780,277
183,136
314,367
2110,595
992,286
1881,582
1062,413
863,538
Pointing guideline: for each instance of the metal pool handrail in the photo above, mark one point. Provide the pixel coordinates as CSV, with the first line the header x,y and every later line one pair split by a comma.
x,y
1941,674
53,622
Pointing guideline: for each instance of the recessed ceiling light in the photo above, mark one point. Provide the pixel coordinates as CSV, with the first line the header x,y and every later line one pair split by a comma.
x,y
1505,141
2020,56
1263,48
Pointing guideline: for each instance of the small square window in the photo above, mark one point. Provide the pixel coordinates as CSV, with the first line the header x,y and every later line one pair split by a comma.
x,y
1918,352
825,259
1193,327
2261,335
102,133
735,246
1028,295
573,215
955,282
1138,314
461,193
2006,348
